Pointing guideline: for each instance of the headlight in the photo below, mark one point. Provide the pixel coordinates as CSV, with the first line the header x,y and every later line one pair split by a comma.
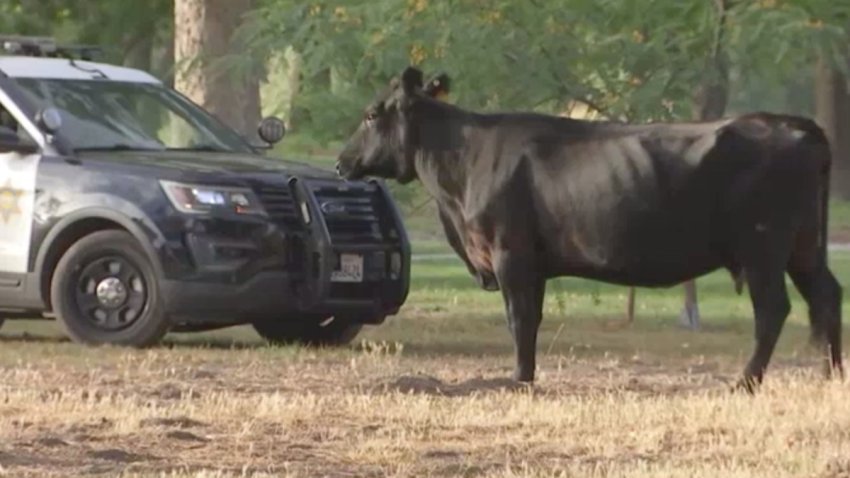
x,y
201,199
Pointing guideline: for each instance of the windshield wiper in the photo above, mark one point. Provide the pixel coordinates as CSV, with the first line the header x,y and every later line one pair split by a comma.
x,y
202,147
117,147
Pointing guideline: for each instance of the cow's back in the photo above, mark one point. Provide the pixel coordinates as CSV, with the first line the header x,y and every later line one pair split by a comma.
x,y
652,204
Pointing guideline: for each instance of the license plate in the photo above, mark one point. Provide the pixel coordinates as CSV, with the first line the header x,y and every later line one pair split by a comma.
x,y
350,269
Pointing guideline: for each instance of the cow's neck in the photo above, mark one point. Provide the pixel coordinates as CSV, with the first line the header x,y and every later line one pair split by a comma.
x,y
445,157
444,175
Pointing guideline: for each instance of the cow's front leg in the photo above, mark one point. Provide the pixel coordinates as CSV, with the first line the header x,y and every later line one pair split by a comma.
x,y
523,288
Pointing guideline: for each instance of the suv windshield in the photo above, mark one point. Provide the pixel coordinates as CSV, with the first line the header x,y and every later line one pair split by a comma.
x,y
111,115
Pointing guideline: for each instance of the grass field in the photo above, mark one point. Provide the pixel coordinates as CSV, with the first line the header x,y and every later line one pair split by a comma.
x,y
426,394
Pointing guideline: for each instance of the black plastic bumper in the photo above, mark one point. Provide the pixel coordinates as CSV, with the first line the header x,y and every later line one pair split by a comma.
x,y
266,295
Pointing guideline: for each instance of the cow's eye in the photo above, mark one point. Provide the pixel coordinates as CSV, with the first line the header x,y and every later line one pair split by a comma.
x,y
371,116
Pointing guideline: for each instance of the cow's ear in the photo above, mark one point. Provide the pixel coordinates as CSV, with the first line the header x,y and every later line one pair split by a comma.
x,y
411,80
438,87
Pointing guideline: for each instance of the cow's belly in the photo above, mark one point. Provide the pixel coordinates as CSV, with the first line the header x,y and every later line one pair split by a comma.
x,y
643,250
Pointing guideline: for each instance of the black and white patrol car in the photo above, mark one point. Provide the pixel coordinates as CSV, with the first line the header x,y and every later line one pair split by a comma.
x,y
127,211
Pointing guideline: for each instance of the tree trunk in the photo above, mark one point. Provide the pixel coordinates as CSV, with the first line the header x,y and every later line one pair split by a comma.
x,y
709,103
294,64
832,111
203,33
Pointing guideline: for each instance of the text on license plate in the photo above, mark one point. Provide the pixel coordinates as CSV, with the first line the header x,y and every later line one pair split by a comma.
x,y
350,269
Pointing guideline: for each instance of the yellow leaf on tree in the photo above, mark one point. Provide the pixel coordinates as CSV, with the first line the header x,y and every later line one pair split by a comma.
x,y
638,36
416,6
418,54
492,17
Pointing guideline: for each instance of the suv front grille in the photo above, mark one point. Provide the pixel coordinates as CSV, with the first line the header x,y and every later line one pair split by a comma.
x,y
279,204
352,213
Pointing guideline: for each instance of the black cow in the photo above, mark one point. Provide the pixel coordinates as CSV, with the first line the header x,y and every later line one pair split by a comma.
x,y
525,197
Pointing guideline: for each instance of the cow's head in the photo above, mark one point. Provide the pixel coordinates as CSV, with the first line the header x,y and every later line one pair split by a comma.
x,y
384,143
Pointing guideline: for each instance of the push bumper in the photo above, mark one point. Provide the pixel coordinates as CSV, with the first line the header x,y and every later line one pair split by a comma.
x,y
275,276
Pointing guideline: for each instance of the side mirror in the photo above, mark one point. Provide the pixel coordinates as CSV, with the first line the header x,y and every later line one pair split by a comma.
x,y
10,142
49,120
271,130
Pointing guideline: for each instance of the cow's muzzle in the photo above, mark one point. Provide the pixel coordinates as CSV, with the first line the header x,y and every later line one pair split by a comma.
x,y
346,171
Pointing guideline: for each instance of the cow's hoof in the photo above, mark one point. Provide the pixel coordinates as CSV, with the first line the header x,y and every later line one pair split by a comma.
x,y
523,377
689,318
833,372
488,283
748,385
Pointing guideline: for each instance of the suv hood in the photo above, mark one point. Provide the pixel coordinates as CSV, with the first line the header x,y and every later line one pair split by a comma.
x,y
191,165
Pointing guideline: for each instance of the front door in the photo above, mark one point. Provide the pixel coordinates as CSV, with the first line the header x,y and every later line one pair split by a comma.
x,y
18,168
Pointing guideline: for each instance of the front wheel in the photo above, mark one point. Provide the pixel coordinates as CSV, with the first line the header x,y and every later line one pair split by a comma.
x,y
308,331
104,291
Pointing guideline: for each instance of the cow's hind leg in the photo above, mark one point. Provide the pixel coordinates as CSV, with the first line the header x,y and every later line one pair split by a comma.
x,y
522,289
766,281
823,296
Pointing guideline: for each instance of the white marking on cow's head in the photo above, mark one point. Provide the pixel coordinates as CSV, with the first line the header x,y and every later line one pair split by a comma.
x,y
383,144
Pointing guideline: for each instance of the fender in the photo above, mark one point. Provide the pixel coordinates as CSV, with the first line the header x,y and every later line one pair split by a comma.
x,y
122,212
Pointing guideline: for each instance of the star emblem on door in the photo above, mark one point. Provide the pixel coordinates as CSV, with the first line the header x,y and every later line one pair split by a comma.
x,y
9,201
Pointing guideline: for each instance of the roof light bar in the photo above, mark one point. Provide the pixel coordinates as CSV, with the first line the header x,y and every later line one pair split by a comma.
x,y
45,47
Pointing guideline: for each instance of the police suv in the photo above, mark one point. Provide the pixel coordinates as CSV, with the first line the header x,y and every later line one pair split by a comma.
x,y
127,211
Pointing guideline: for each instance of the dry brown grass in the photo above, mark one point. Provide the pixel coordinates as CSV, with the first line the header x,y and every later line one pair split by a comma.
x,y
647,400
385,411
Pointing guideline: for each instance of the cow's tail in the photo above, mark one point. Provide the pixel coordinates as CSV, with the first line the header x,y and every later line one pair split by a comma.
x,y
816,137
826,179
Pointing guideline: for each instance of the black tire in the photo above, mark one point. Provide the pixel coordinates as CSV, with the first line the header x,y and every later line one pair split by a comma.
x,y
308,331
88,303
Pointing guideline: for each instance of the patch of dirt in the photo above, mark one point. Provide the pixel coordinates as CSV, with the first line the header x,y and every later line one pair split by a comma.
x,y
476,385
428,385
175,422
840,235
170,391
91,426
117,455
183,435
51,442
443,454
413,384
203,374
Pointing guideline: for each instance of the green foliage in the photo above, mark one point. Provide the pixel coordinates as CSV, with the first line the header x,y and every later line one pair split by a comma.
x,y
27,17
628,59
137,33
775,44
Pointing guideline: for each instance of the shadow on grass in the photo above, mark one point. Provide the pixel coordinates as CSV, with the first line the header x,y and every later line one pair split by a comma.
x,y
210,344
27,337
659,338
199,341
594,339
